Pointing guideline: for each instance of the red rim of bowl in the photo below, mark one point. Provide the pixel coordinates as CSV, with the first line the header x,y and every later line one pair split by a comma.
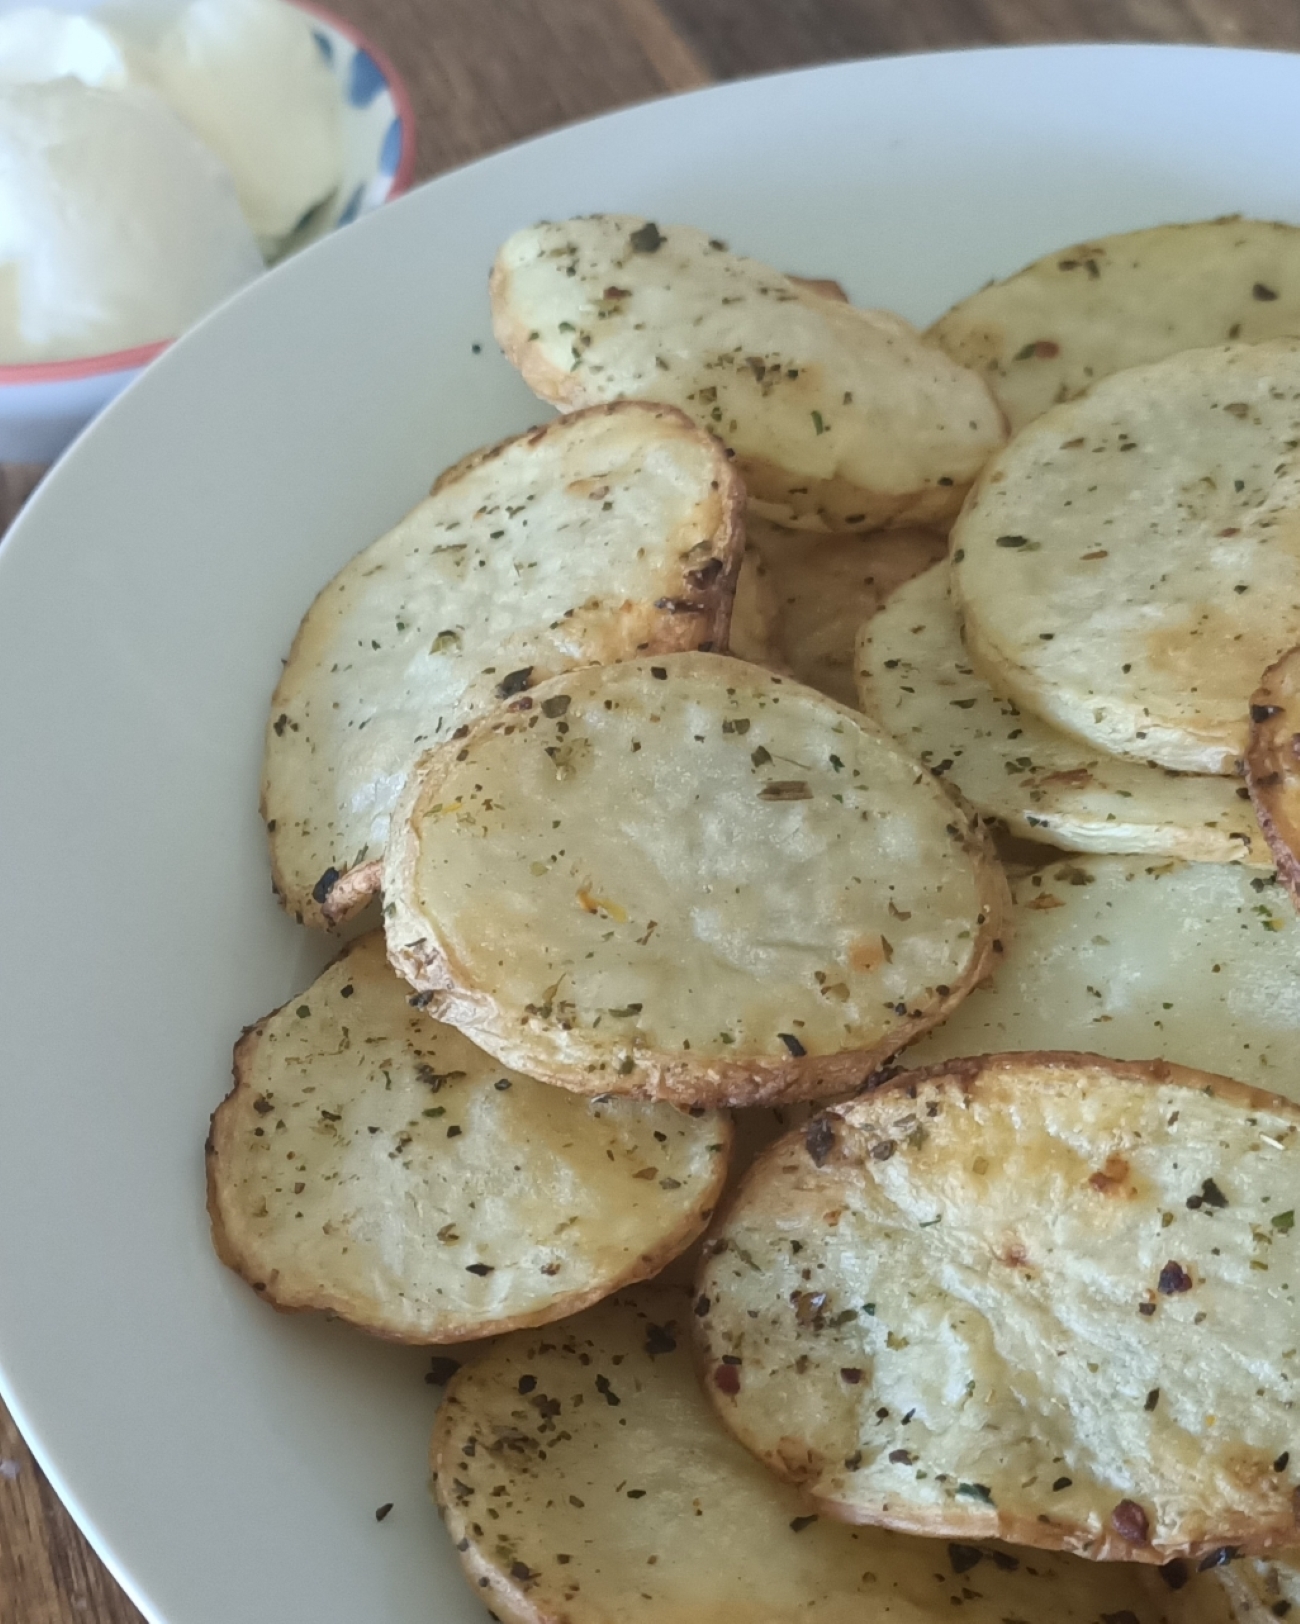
x,y
98,366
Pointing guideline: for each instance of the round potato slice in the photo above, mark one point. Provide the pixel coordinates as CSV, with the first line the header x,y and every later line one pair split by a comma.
x,y
1272,764
375,1164
841,419
1131,563
1195,962
615,1496
607,534
915,676
1052,330
824,587
1041,1297
687,879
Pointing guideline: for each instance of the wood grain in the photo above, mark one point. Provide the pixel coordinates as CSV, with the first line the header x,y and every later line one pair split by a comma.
x,y
484,73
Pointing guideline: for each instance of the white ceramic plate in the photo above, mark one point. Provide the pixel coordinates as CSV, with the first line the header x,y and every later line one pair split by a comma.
x,y
228,1463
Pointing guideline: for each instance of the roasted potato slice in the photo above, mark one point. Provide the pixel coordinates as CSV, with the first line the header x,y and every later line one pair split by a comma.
x,y
841,419
1075,316
582,1477
915,676
824,587
1131,562
609,533
1195,962
1040,1297
688,879
373,1163
1272,764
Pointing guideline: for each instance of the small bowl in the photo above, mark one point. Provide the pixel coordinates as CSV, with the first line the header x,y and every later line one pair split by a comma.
x,y
44,405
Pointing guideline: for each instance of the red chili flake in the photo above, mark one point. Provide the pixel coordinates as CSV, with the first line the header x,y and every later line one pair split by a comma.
x,y
726,1378
1129,1521
851,1374
1174,1278
901,1457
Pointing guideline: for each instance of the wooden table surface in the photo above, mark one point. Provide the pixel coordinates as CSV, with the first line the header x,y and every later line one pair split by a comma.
x,y
483,73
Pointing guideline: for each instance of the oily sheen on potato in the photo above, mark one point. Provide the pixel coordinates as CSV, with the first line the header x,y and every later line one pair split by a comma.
x,y
373,1163
1272,764
603,535
915,676
824,587
1077,315
690,879
840,419
1131,563
1043,1297
1193,962
582,1477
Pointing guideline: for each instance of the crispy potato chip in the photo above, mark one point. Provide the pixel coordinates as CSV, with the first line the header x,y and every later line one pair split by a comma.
x,y
1262,1589
375,1164
1131,563
1194,962
606,534
824,587
687,879
1063,1287
841,419
1052,330
1272,764
616,1495
914,675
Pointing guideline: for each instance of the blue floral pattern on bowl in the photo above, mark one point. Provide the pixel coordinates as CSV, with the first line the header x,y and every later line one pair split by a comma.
x,y
378,132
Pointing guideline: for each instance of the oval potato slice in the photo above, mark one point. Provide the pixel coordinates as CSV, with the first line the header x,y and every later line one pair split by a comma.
x,y
1272,764
1040,1297
616,1496
687,879
1079,314
1194,962
841,419
373,1163
609,533
1133,599
824,587
915,676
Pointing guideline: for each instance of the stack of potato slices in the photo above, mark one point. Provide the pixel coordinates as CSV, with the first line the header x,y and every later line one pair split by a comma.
x,y
837,859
